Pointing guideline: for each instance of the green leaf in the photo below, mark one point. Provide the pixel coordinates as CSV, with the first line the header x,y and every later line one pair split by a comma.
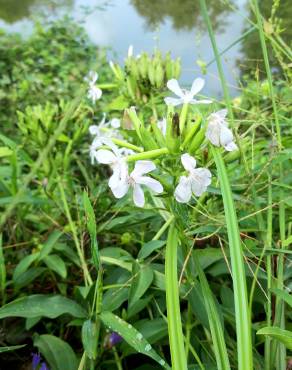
x,y
149,247
55,263
49,244
5,151
42,305
114,298
284,295
11,348
132,336
142,279
28,276
90,331
57,353
215,321
119,103
283,336
91,227
24,265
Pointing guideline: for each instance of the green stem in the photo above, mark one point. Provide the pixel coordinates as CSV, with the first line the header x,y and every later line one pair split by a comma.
x,y
242,317
147,155
176,338
163,228
269,277
125,144
280,307
86,274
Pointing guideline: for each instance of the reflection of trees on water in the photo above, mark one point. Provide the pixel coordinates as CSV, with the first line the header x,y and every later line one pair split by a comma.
x,y
14,10
184,14
251,46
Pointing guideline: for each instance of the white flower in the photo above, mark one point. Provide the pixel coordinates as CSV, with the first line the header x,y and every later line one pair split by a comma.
x,y
196,182
94,93
184,96
117,164
218,132
115,123
161,124
135,180
102,136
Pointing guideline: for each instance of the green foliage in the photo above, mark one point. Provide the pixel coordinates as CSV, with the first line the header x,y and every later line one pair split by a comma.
x,y
77,265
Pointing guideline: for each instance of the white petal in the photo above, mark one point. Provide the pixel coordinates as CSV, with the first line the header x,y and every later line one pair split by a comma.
x,y
105,156
222,113
204,175
94,93
120,190
173,101
230,147
115,123
202,101
173,86
188,162
153,184
94,130
120,173
183,191
161,124
226,135
213,133
197,86
138,196
142,167
92,77
201,178
130,51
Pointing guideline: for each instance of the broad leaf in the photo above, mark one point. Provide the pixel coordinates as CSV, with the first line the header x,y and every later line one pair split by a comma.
x,y
42,305
57,353
132,336
142,279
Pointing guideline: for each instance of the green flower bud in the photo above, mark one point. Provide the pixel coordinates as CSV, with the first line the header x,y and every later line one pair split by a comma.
x,y
131,85
172,133
197,141
159,76
177,68
151,73
147,139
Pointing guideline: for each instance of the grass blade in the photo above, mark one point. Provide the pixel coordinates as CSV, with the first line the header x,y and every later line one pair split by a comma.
x,y
214,320
243,324
176,340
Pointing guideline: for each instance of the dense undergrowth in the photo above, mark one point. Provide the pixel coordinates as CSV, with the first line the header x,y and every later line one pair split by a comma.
x,y
82,274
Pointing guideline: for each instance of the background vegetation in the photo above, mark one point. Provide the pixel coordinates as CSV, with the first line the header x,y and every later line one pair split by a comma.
x,y
47,218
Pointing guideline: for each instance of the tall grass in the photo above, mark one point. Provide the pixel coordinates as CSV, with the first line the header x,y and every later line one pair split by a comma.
x,y
242,316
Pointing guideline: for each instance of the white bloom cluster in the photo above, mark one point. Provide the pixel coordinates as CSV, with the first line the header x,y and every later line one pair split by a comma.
x,y
195,180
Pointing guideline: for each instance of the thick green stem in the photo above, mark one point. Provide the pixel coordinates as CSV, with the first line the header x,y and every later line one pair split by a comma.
x,y
147,155
175,333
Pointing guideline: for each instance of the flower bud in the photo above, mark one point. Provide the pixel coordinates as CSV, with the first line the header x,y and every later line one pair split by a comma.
x,y
151,73
173,133
159,76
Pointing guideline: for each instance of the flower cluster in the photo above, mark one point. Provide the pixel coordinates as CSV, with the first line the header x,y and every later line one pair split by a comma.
x,y
110,148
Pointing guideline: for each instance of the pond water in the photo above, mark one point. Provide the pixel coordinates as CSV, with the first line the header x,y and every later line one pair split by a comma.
x,y
174,25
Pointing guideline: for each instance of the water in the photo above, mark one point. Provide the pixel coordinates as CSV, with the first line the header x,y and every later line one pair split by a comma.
x,y
173,25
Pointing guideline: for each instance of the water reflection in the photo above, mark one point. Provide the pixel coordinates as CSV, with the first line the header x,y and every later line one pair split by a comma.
x,y
12,11
183,14
251,46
